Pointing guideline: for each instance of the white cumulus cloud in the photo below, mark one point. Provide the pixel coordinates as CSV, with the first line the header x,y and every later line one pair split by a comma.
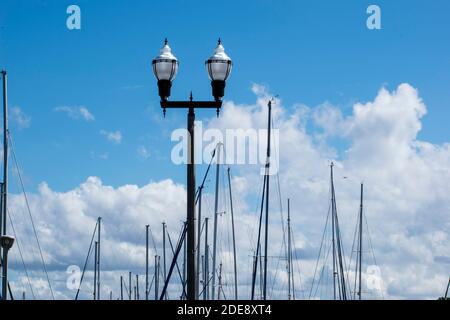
x,y
79,112
112,136
406,202
20,118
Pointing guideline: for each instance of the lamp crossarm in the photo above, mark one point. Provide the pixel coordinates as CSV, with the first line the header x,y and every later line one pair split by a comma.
x,y
191,105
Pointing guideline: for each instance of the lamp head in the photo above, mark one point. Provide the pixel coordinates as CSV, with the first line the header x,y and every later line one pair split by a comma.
x,y
219,67
6,242
165,68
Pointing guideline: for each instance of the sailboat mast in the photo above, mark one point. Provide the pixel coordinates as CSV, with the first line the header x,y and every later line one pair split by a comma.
x,y
220,282
95,269
203,275
289,249
261,274
98,256
164,254
146,261
333,233
216,213
234,237
199,228
5,156
292,262
258,242
156,277
206,275
360,240
129,285
446,291
266,254
337,246
137,287
184,265
4,189
121,288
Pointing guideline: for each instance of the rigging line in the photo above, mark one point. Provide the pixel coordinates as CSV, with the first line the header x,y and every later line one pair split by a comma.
x,y
255,266
29,212
319,281
126,289
351,255
340,249
358,256
223,292
153,239
197,193
344,276
175,258
225,275
207,282
299,269
226,209
20,253
279,188
329,287
283,245
161,275
345,282
254,213
183,283
281,208
446,291
279,258
201,230
86,261
151,283
320,251
252,230
31,250
371,248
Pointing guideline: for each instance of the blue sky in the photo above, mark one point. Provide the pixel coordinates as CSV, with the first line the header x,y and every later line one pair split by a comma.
x,y
305,51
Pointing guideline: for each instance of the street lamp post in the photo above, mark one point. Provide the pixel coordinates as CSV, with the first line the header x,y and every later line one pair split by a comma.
x,y
6,244
165,68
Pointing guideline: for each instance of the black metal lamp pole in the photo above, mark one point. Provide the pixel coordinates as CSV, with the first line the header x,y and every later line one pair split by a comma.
x,y
191,219
165,67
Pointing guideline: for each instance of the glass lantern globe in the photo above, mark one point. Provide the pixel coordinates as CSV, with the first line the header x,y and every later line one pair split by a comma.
x,y
165,68
219,67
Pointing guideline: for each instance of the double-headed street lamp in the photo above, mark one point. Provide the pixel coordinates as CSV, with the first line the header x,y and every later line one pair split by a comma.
x,y
165,68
